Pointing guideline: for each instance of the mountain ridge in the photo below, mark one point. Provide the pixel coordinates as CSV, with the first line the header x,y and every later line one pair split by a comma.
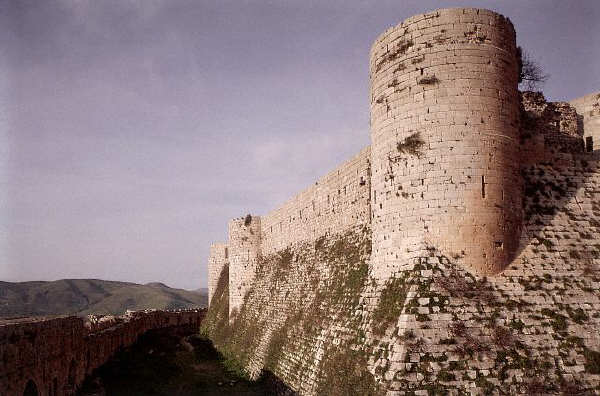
x,y
91,296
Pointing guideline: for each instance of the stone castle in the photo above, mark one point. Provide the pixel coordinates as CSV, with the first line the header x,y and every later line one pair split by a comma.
x,y
458,253
473,214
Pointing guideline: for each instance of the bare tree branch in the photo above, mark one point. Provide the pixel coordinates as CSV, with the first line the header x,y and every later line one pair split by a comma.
x,y
531,74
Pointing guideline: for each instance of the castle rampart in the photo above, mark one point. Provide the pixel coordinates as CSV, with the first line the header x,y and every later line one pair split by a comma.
x,y
547,128
335,203
588,107
449,134
375,279
54,356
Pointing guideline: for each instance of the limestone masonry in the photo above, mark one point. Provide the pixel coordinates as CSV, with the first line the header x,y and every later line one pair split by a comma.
x,y
588,108
52,357
459,252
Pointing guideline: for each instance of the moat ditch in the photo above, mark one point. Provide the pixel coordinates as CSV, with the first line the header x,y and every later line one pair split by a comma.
x,y
171,362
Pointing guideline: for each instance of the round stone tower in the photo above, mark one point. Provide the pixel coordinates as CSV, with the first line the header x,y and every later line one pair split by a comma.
x,y
244,251
445,146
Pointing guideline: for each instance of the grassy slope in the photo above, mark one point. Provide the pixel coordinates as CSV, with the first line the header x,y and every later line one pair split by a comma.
x,y
163,362
84,296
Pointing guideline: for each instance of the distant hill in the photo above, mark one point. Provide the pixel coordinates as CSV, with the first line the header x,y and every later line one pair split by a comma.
x,y
85,296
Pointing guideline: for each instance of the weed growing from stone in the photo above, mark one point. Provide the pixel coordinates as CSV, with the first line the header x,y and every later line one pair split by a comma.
x,y
412,145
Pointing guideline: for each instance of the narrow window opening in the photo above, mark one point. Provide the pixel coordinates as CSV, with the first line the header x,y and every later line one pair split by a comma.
x,y
589,144
226,253
482,186
499,245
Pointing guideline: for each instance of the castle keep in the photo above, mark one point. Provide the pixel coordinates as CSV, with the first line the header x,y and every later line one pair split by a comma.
x,y
460,250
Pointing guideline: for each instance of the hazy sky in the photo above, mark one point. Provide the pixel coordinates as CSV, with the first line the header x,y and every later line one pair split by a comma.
x,y
131,131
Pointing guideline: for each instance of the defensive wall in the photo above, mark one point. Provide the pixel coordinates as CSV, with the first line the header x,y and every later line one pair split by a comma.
x,y
588,108
336,203
459,252
218,256
52,357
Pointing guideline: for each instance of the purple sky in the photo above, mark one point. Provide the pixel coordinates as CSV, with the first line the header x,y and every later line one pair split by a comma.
x,y
131,131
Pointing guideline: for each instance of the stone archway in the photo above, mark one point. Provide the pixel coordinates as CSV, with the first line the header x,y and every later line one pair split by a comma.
x,y
31,389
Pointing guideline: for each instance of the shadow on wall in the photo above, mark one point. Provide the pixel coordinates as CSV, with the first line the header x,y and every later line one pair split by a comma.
x,y
561,185
556,170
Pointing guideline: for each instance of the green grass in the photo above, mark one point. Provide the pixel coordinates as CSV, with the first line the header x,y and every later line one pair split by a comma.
x,y
391,303
164,363
342,257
